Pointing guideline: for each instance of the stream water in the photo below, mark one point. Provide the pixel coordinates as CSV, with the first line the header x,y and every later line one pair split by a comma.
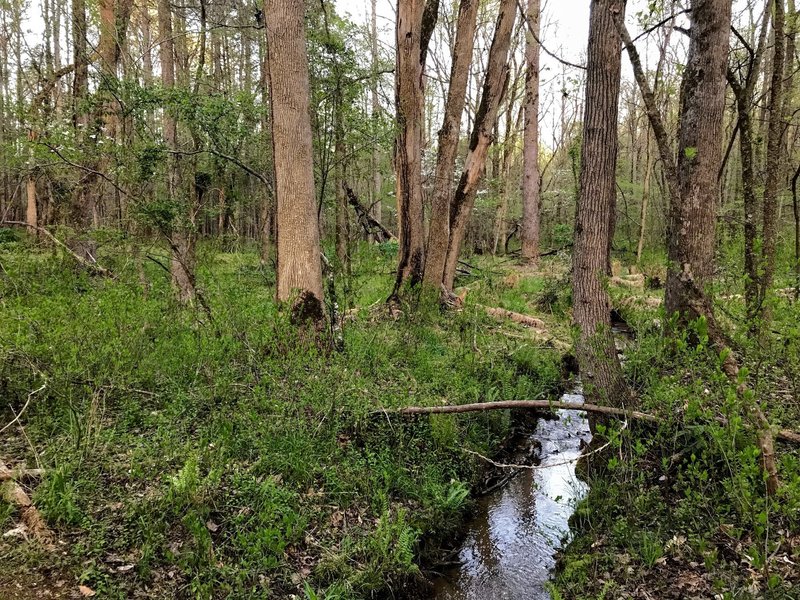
x,y
510,546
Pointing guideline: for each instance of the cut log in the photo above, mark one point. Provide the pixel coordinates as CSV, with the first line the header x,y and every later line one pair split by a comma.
x,y
526,320
538,326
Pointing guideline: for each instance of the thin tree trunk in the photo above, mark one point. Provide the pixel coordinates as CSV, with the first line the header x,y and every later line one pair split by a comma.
x,y
745,104
377,178
299,266
597,356
485,118
530,148
774,166
439,231
650,161
182,255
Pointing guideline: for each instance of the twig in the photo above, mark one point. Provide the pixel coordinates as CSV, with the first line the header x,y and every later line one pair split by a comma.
x,y
25,406
566,461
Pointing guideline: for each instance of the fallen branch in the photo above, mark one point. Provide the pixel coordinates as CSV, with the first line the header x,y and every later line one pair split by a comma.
x,y
785,435
31,518
92,266
370,225
526,320
24,407
526,405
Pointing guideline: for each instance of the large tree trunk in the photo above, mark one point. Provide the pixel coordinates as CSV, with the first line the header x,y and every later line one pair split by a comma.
x,y
692,220
597,356
409,99
439,231
299,266
530,148
485,118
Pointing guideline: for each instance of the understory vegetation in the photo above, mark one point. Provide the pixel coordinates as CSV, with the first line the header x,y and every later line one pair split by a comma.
x,y
218,453
200,454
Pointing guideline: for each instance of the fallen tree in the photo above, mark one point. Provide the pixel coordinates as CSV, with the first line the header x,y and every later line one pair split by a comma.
x,y
92,266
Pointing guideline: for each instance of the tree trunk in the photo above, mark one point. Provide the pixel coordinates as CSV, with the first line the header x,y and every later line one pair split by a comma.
x,y
409,99
690,246
597,356
530,147
493,86
439,231
650,161
181,243
342,222
377,179
774,166
83,209
299,266
267,201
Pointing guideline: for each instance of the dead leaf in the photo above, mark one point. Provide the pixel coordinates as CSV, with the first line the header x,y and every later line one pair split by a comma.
x,y
86,592
211,526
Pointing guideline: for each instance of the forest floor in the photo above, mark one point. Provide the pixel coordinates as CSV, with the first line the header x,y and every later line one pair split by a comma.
x,y
193,453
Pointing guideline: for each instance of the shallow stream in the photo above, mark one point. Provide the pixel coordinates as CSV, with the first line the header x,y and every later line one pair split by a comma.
x,y
511,543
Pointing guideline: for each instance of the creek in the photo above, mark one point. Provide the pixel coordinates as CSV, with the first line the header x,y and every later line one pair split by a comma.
x,y
511,541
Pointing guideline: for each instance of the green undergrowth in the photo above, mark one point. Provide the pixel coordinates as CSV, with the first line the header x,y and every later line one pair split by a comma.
x,y
219,454
680,510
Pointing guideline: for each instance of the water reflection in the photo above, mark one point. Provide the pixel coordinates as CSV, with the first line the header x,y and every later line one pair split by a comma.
x,y
510,546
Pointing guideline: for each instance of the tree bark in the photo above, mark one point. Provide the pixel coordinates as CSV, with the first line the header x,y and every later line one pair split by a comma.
x,y
439,230
493,86
180,242
775,162
530,147
299,266
597,356
691,242
409,100
377,178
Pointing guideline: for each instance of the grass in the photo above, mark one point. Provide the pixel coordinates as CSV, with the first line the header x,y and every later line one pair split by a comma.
x,y
199,457
189,456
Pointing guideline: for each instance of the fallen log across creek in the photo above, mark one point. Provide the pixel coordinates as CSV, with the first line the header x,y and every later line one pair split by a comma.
x,y
785,435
